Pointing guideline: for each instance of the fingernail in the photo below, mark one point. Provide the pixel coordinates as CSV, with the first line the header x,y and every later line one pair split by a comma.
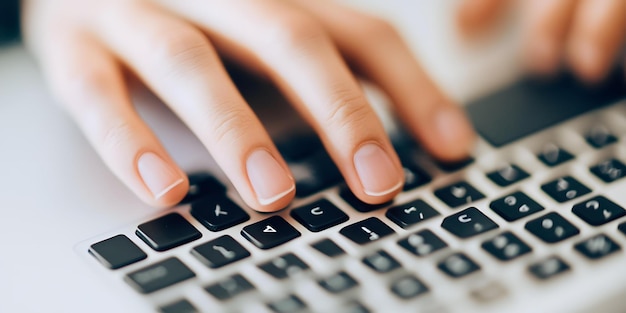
x,y
157,175
378,175
269,179
453,128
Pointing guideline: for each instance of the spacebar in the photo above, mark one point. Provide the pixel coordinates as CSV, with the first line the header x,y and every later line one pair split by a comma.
x,y
529,106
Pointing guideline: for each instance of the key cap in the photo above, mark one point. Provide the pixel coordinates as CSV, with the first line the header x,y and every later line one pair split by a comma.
x,y
552,155
230,287
411,213
458,194
598,211
117,252
458,265
515,206
328,248
468,223
284,266
508,175
565,189
290,304
551,228
219,252
338,283
422,243
408,287
158,276
414,176
622,227
366,231
202,184
319,215
609,170
314,174
357,204
506,246
548,268
167,232
270,232
600,137
597,247
454,166
381,262
180,306
218,213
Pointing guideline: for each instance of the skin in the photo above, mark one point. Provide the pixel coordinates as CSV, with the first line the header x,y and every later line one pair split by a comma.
x,y
174,47
585,36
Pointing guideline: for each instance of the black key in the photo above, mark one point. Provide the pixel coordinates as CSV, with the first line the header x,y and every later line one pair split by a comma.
x,y
600,137
284,266
319,215
565,189
548,268
414,177
180,306
622,227
552,228
338,283
220,251
552,155
458,265
202,184
218,213
167,232
467,223
116,252
314,174
366,231
454,166
508,175
355,307
609,170
357,204
158,276
598,211
328,248
230,287
381,262
597,247
289,304
422,243
506,246
411,213
458,194
270,232
408,287
515,206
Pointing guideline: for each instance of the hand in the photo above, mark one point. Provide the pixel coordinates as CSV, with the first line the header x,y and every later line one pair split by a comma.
x,y
587,35
172,46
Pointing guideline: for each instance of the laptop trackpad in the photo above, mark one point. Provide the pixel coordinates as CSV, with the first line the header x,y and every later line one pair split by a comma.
x,y
529,106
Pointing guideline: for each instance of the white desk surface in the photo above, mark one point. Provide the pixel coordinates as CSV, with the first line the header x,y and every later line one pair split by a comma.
x,y
55,192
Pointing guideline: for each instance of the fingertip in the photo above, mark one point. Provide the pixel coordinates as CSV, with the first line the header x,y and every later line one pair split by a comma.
x,y
165,184
451,136
272,184
542,56
588,62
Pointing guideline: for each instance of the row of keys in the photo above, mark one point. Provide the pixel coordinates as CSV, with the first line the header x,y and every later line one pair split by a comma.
x,y
119,251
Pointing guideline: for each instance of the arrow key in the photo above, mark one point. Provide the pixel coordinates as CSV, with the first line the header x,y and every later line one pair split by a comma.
x,y
270,232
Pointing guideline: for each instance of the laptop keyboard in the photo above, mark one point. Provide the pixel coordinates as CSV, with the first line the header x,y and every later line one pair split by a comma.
x,y
453,231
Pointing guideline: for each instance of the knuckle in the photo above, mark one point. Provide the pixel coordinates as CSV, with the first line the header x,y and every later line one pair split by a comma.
x,y
180,49
294,31
115,135
230,123
348,112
